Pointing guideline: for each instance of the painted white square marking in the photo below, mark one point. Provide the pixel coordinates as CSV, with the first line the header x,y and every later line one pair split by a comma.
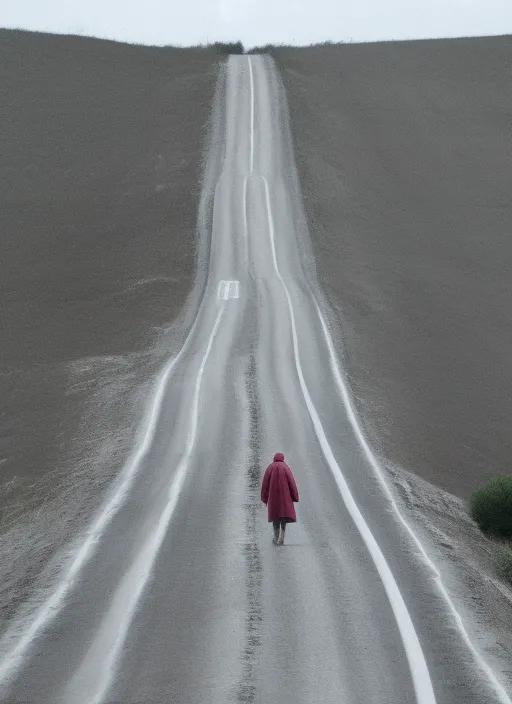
x,y
228,289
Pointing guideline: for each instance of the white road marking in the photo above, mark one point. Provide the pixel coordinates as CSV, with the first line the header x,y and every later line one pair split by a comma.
x,y
352,416
13,658
417,663
246,225
251,161
228,289
94,678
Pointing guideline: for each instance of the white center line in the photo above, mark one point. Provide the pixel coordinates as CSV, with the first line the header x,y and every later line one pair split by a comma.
x,y
252,115
246,225
414,653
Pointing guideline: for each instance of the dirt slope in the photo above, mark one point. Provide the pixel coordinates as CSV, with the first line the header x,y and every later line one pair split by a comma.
x,y
100,175
405,159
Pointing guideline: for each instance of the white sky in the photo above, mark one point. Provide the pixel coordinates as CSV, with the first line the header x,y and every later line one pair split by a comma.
x,y
260,21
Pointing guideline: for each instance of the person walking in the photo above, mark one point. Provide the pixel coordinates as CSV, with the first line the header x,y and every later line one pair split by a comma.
x,y
279,493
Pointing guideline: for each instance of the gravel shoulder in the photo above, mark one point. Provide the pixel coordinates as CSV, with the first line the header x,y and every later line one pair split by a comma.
x,y
100,178
404,154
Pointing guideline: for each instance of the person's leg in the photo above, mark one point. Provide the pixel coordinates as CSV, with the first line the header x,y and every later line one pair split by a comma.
x,y
276,531
282,527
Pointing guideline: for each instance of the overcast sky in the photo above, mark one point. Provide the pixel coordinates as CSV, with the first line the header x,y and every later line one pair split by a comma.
x,y
260,21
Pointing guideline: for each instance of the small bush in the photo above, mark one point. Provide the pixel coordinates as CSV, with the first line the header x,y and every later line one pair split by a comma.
x,y
491,507
229,47
266,49
505,563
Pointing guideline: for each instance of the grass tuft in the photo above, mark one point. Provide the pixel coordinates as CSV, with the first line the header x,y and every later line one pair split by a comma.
x,y
491,507
229,47
265,49
505,563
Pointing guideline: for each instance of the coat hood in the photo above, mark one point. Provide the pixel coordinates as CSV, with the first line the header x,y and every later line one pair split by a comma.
x,y
279,457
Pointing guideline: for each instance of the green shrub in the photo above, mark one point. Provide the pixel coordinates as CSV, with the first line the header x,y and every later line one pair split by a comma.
x,y
265,49
491,507
229,47
505,563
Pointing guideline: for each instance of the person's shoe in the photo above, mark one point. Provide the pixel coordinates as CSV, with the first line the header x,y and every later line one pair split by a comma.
x,y
276,537
280,540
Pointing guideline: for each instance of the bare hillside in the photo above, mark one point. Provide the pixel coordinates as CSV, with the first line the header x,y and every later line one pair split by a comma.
x,y
405,158
99,183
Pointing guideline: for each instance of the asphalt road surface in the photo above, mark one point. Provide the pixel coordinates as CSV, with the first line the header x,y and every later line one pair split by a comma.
x,y
176,593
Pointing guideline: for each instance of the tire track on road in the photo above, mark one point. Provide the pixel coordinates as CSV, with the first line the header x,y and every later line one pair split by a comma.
x,y
246,692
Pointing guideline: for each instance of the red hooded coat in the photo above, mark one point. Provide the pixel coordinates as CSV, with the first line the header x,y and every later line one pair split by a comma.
x,y
278,490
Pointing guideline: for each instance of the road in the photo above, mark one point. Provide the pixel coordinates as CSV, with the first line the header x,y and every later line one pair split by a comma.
x,y
176,593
